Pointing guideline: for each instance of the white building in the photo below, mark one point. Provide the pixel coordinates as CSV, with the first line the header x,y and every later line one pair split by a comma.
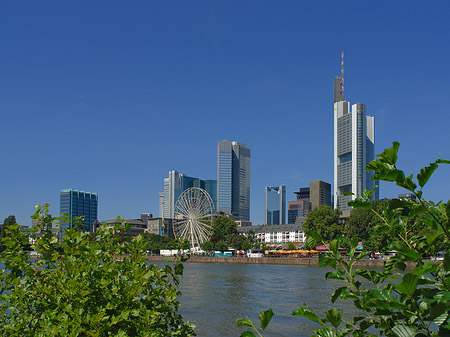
x,y
354,142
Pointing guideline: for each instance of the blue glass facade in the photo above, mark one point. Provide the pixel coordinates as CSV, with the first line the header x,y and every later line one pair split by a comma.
x,y
275,205
79,203
224,177
233,179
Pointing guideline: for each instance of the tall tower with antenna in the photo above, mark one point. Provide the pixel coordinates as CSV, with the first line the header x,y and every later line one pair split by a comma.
x,y
339,83
354,144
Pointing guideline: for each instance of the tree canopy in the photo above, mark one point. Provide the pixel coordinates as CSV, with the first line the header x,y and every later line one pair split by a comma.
x,y
325,221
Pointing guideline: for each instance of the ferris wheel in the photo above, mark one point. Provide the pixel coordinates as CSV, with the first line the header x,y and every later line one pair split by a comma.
x,y
193,211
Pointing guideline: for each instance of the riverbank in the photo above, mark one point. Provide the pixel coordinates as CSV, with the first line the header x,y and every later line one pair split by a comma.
x,y
312,261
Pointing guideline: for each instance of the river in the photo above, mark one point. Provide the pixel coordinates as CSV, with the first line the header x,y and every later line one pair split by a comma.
x,y
214,295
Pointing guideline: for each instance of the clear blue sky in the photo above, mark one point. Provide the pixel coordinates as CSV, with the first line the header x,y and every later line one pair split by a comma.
x,y
108,96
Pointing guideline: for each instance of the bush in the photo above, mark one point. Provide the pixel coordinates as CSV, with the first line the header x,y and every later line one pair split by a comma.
x,y
86,285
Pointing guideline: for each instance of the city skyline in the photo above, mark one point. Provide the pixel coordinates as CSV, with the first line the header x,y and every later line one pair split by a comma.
x,y
109,98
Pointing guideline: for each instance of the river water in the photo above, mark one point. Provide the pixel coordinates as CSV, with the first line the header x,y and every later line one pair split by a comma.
x,y
214,295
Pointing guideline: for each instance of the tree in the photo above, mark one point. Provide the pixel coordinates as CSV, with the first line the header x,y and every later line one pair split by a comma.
x,y
360,224
225,229
207,246
238,242
92,286
291,246
325,221
246,245
10,220
221,245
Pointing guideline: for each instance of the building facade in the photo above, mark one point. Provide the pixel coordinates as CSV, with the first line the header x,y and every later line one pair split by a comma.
x,y
233,179
320,193
298,210
275,201
176,184
79,204
354,142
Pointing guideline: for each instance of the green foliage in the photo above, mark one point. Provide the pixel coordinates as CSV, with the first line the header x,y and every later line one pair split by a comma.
x,y
291,246
239,242
221,245
361,223
225,229
207,246
325,221
10,220
394,301
86,285
155,242
264,319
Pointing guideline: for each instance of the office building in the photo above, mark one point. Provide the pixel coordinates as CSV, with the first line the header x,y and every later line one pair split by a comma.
x,y
233,179
275,210
176,184
318,193
354,142
79,204
298,210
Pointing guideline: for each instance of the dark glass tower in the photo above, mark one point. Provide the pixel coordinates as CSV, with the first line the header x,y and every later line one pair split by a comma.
x,y
233,179
79,203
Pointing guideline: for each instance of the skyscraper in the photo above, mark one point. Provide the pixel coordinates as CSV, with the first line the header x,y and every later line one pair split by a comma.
x,y
79,203
354,142
233,179
176,184
275,210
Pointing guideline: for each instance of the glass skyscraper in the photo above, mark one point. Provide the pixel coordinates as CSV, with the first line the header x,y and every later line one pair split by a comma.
x,y
354,142
79,203
275,205
233,179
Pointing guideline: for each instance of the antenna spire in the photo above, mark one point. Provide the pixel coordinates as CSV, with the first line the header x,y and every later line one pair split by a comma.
x,y
342,74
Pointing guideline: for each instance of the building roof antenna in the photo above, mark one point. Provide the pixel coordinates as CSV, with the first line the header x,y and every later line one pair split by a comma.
x,y
342,74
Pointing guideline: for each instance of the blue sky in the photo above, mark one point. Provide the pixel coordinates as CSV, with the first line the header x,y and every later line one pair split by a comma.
x,y
108,96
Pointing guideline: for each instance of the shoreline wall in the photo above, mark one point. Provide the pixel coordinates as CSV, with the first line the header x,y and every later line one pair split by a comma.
x,y
313,261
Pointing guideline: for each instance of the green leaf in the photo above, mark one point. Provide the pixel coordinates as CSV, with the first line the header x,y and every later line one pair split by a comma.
x,y
442,161
425,173
316,236
440,319
404,331
446,262
425,268
334,316
337,293
303,312
360,203
265,317
408,285
325,332
248,334
244,322
390,155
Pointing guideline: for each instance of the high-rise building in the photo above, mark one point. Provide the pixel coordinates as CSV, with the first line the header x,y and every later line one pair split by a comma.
x,y
233,179
354,142
318,193
298,210
275,211
79,204
176,184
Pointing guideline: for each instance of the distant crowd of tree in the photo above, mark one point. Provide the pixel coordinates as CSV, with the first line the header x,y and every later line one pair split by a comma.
x,y
361,224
